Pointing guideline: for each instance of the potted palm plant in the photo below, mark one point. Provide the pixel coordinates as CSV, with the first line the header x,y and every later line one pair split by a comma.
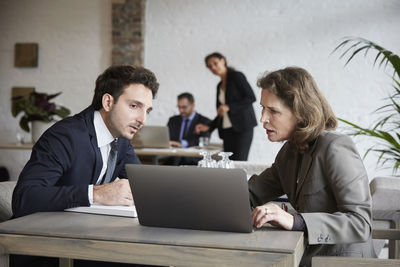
x,y
386,130
37,108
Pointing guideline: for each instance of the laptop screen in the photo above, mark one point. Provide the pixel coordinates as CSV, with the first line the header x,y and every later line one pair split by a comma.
x,y
191,197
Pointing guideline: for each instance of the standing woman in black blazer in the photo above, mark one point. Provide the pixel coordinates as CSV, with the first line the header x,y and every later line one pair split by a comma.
x,y
235,118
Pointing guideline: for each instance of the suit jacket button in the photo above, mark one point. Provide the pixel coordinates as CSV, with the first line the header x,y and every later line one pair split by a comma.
x,y
327,238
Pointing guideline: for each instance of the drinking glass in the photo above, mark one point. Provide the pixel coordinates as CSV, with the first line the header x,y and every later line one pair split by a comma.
x,y
204,141
19,136
225,162
207,161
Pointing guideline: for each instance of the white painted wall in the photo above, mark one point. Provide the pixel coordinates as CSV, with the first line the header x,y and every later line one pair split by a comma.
x,y
260,35
75,46
74,40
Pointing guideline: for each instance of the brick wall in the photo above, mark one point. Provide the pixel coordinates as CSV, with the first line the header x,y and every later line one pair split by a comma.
x,y
128,32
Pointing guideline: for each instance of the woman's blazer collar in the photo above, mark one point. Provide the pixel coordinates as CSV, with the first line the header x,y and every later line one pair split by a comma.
x,y
306,162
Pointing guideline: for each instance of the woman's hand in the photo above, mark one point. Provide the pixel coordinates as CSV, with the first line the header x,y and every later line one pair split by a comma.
x,y
222,109
199,128
273,214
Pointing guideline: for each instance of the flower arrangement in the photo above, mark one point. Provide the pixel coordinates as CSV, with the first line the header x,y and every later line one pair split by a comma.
x,y
36,107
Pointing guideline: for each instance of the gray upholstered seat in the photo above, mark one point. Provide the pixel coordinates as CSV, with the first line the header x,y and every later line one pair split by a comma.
x,y
6,190
385,194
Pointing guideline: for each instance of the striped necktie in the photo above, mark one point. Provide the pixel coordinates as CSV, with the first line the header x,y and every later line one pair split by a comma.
x,y
185,128
112,160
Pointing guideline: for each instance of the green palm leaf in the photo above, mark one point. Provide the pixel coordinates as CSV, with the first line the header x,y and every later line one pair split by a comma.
x,y
386,130
387,56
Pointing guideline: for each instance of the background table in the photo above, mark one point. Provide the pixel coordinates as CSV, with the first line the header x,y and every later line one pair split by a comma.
x,y
158,153
25,146
120,239
153,153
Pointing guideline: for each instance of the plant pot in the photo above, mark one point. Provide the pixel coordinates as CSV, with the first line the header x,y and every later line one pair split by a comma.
x,y
38,128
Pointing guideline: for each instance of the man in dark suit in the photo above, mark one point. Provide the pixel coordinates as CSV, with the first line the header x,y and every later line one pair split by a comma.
x,y
181,128
81,159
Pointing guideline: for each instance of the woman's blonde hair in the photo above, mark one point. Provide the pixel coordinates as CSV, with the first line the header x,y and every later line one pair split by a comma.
x,y
298,90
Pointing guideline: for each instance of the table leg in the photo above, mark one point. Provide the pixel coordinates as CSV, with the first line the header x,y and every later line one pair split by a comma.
x,y
65,262
4,258
394,245
155,160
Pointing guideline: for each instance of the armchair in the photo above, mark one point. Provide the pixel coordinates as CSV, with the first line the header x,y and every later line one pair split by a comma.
x,y
385,194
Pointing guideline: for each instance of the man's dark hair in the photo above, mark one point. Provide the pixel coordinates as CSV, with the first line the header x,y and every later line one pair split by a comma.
x,y
188,96
115,78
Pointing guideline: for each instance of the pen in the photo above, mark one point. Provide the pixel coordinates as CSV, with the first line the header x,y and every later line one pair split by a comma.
x,y
284,207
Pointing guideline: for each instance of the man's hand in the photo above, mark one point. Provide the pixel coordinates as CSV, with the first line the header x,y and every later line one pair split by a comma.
x,y
175,143
222,109
113,194
273,214
199,128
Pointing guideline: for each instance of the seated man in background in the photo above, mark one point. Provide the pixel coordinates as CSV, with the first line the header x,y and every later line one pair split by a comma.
x,y
181,128
79,159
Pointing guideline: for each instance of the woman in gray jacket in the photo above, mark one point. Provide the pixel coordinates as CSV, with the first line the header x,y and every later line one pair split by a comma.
x,y
318,169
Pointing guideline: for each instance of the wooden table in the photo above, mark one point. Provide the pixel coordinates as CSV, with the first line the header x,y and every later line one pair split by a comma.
x,y
25,146
71,235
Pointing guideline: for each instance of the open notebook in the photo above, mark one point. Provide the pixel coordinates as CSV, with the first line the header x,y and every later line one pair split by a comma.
x,y
125,211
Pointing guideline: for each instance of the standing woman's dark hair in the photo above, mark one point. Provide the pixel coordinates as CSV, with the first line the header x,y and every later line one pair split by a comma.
x,y
235,118
216,55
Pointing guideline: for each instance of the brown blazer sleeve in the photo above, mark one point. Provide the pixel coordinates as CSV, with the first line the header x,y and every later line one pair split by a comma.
x,y
265,187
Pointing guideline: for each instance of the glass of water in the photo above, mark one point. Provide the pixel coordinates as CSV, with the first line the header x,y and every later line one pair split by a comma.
x,y
207,161
225,162
19,136
204,141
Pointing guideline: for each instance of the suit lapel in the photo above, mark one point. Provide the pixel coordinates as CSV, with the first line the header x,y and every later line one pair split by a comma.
x,y
218,89
93,139
175,128
98,161
192,124
305,167
228,89
290,173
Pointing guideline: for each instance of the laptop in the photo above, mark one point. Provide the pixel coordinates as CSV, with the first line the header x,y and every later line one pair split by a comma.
x,y
191,198
152,137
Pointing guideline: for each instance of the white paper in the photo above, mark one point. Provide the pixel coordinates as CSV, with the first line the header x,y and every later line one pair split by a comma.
x,y
125,211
